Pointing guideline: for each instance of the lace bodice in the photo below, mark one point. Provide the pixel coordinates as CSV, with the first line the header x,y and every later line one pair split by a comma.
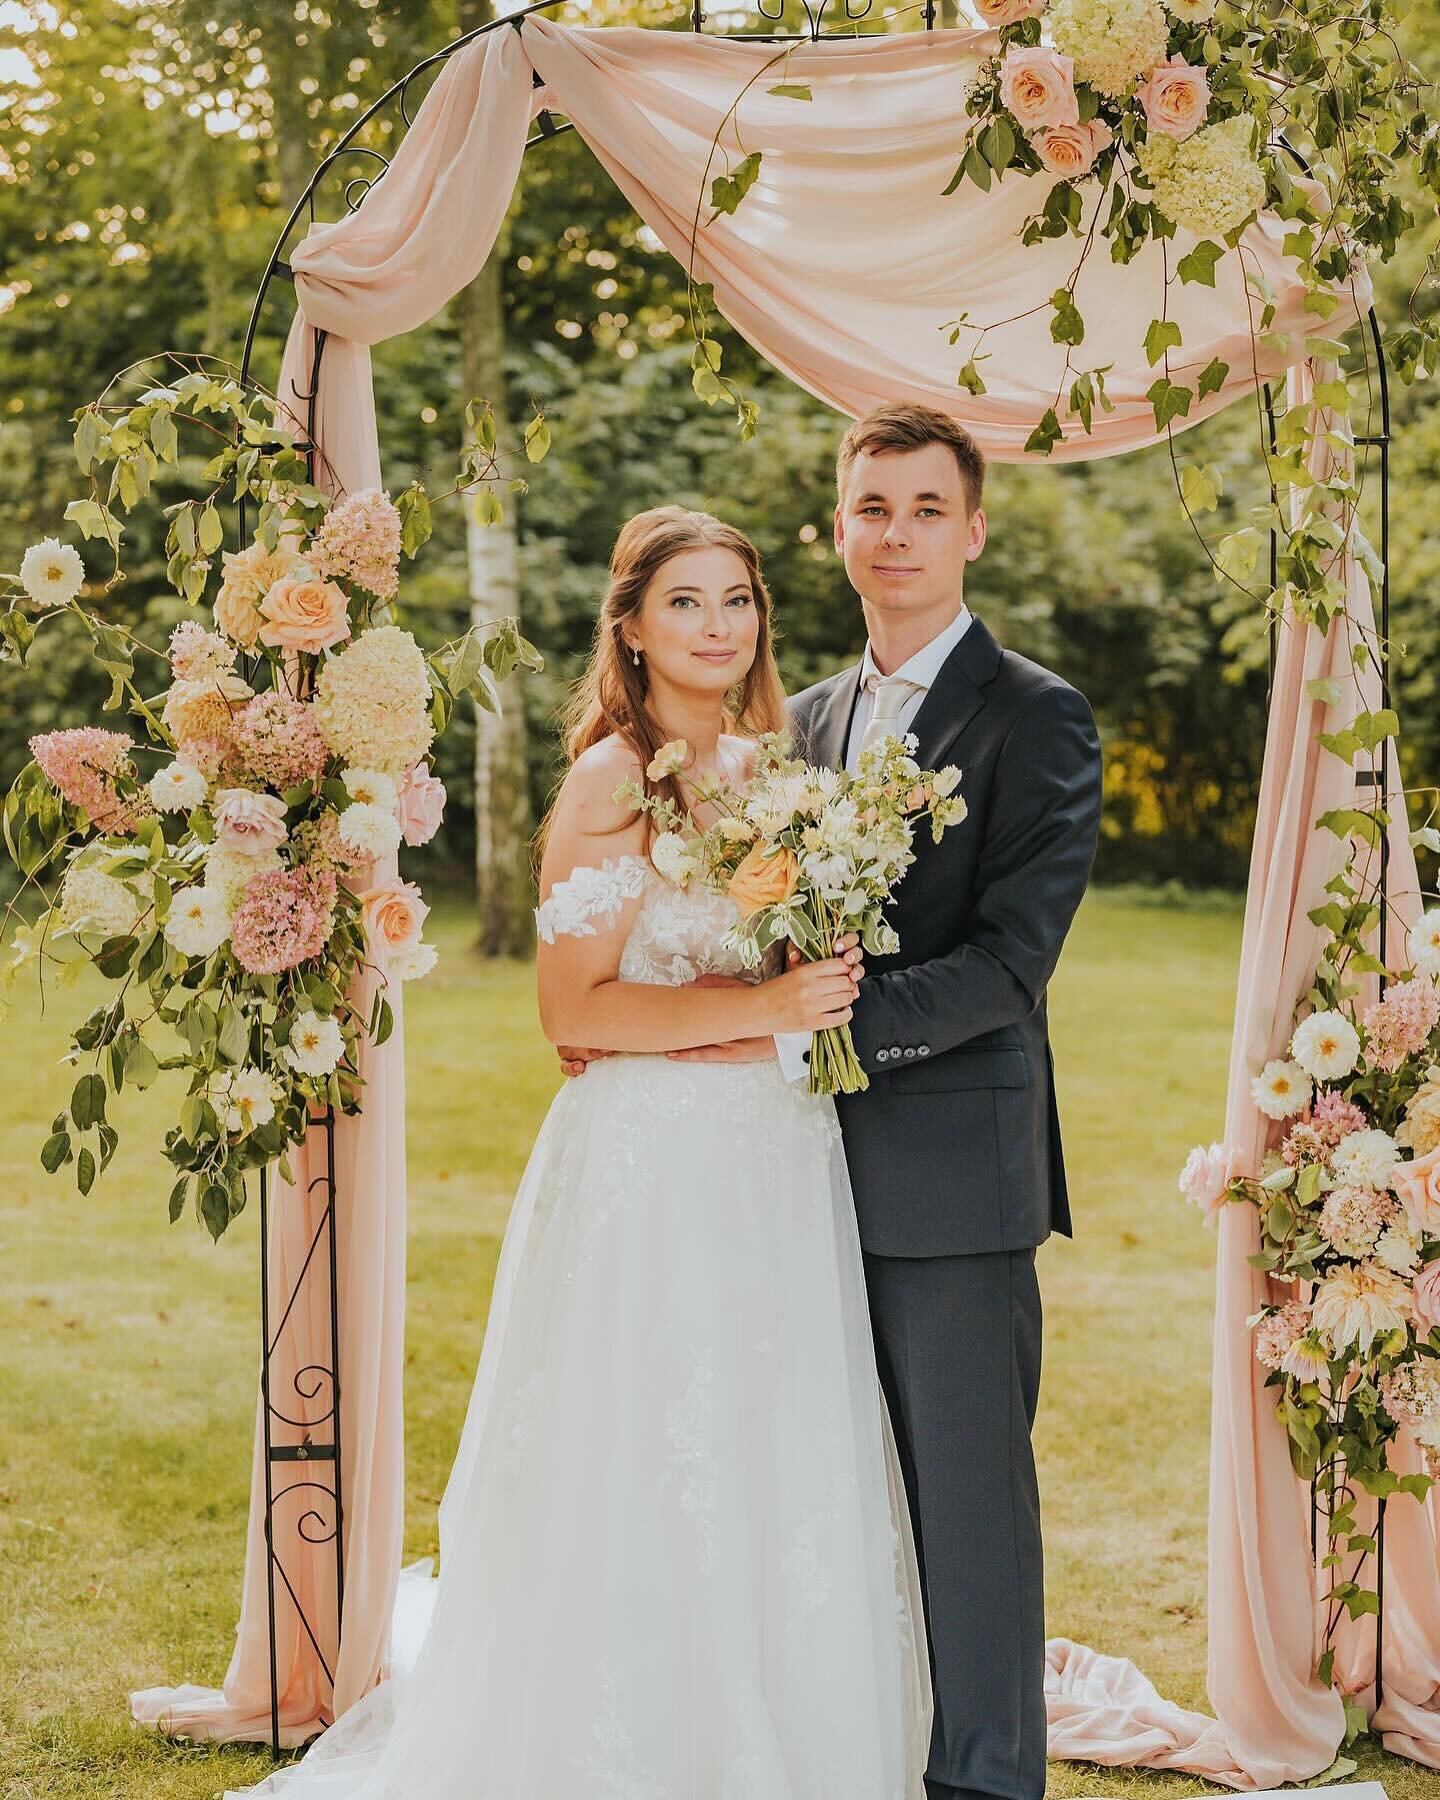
x,y
678,933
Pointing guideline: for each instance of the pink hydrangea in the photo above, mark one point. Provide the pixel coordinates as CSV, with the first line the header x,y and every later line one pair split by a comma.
x,y
359,538
206,752
1277,1331
1334,1117
285,918
276,741
1303,1144
86,764
1400,1024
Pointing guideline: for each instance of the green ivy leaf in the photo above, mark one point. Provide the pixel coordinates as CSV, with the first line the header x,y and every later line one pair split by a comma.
x,y
1045,436
1170,399
727,191
1200,264
1201,486
1212,377
1163,335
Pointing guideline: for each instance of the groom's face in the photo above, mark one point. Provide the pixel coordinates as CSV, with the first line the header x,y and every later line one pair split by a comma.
x,y
904,527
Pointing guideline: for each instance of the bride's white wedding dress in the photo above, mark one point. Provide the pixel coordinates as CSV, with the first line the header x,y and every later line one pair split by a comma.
x,y
674,1557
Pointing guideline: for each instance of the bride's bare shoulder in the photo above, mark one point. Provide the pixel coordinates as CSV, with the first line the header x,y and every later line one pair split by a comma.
x,y
586,802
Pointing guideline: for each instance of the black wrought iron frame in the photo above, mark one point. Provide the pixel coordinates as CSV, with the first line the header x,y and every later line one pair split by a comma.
x,y
355,189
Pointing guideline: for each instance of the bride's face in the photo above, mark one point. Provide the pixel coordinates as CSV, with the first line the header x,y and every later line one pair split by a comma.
x,y
697,626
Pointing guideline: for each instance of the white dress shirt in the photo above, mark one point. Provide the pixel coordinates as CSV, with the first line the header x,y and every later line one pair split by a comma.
x,y
793,1047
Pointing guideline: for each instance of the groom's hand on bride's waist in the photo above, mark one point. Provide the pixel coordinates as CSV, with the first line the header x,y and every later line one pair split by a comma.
x,y
760,1049
573,1059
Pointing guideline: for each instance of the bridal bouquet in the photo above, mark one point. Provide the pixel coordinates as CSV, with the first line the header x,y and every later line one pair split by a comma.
x,y
222,873
807,854
1349,1208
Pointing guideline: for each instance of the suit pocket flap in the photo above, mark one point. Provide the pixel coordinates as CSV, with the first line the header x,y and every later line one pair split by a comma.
x,y
999,1066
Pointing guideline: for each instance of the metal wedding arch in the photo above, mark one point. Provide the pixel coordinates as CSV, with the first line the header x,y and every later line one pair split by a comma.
x,y
287,1440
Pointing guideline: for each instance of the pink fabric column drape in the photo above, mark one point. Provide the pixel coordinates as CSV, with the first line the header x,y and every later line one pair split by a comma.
x,y
846,269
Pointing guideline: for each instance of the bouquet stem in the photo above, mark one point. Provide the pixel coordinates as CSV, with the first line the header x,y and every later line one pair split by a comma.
x,y
834,1066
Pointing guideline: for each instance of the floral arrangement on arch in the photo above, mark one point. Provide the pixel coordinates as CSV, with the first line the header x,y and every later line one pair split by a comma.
x,y
230,868
1348,1203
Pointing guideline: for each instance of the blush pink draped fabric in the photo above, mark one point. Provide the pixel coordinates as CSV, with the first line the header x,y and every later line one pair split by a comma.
x,y
848,270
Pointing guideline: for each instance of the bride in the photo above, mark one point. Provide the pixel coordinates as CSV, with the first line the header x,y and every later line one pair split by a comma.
x,y
675,1562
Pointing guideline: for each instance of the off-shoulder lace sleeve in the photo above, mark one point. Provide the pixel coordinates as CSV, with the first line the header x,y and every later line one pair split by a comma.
x,y
588,893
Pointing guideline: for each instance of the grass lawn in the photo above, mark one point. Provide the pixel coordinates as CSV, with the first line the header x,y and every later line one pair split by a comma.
x,y
127,1354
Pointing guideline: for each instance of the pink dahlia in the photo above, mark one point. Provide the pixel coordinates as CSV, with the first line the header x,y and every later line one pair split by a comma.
x,y
276,741
1400,1024
285,918
359,539
86,764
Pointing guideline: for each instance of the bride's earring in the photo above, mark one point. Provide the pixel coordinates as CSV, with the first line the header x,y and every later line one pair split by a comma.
x,y
635,654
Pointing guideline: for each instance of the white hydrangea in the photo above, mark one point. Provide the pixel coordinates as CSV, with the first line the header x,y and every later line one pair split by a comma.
x,y
369,830
1112,42
1326,1045
199,921
227,871
1281,1089
178,787
1210,183
409,962
243,1099
1365,1158
674,859
372,701
91,900
52,573
316,1045
1193,12
1425,943
371,787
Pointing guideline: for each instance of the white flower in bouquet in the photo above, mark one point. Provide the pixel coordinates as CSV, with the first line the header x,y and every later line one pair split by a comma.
x,y
199,921
227,871
1420,1132
668,760
178,787
410,962
1280,1089
316,1045
52,573
370,830
372,787
1111,42
734,830
674,859
91,900
1398,1249
1326,1045
1424,943
831,874
1356,1304
946,781
243,1099
1365,1158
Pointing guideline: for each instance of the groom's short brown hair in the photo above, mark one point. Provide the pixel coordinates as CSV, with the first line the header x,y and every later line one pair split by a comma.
x,y
912,428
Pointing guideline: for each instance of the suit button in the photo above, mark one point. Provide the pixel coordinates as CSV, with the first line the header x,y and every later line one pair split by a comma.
x,y
909,1050
924,1050
894,1049
882,1056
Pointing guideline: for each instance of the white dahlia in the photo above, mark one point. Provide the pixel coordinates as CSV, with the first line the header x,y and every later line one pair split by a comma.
x,y
1359,1303
316,1045
1280,1089
371,786
52,573
199,921
1326,1045
369,830
178,787
1425,943
1365,1158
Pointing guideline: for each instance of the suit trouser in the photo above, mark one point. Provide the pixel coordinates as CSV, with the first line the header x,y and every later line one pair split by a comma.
x,y
957,1339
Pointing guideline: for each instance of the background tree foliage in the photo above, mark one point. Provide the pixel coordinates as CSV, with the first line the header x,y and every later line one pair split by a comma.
x,y
149,155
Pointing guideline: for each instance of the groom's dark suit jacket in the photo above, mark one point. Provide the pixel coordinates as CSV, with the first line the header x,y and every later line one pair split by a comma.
x,y
955,1149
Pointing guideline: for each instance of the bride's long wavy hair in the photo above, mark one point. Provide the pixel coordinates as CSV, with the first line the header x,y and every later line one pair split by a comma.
x,y
610,697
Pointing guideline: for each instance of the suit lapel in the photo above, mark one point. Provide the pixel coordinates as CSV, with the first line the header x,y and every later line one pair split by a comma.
x,y
956,694
830,721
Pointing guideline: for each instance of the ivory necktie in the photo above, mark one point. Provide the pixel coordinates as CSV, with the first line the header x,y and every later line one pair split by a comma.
x,y
890,693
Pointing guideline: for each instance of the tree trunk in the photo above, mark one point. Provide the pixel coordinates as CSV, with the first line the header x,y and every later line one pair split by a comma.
x,y
502,805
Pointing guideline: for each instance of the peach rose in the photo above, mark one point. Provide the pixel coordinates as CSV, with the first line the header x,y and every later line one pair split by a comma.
x,y
763,880
394,915
1425,1301
1207,1174
996,13
248,821
1176,98
237,614
1038,85
1070,150
1418,1185
422,805
304,613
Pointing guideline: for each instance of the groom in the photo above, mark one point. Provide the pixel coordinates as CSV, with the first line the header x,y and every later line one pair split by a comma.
x,y
954,1150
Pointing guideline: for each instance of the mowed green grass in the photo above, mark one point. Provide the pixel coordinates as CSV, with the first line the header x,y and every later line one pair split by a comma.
x,y
128,1352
